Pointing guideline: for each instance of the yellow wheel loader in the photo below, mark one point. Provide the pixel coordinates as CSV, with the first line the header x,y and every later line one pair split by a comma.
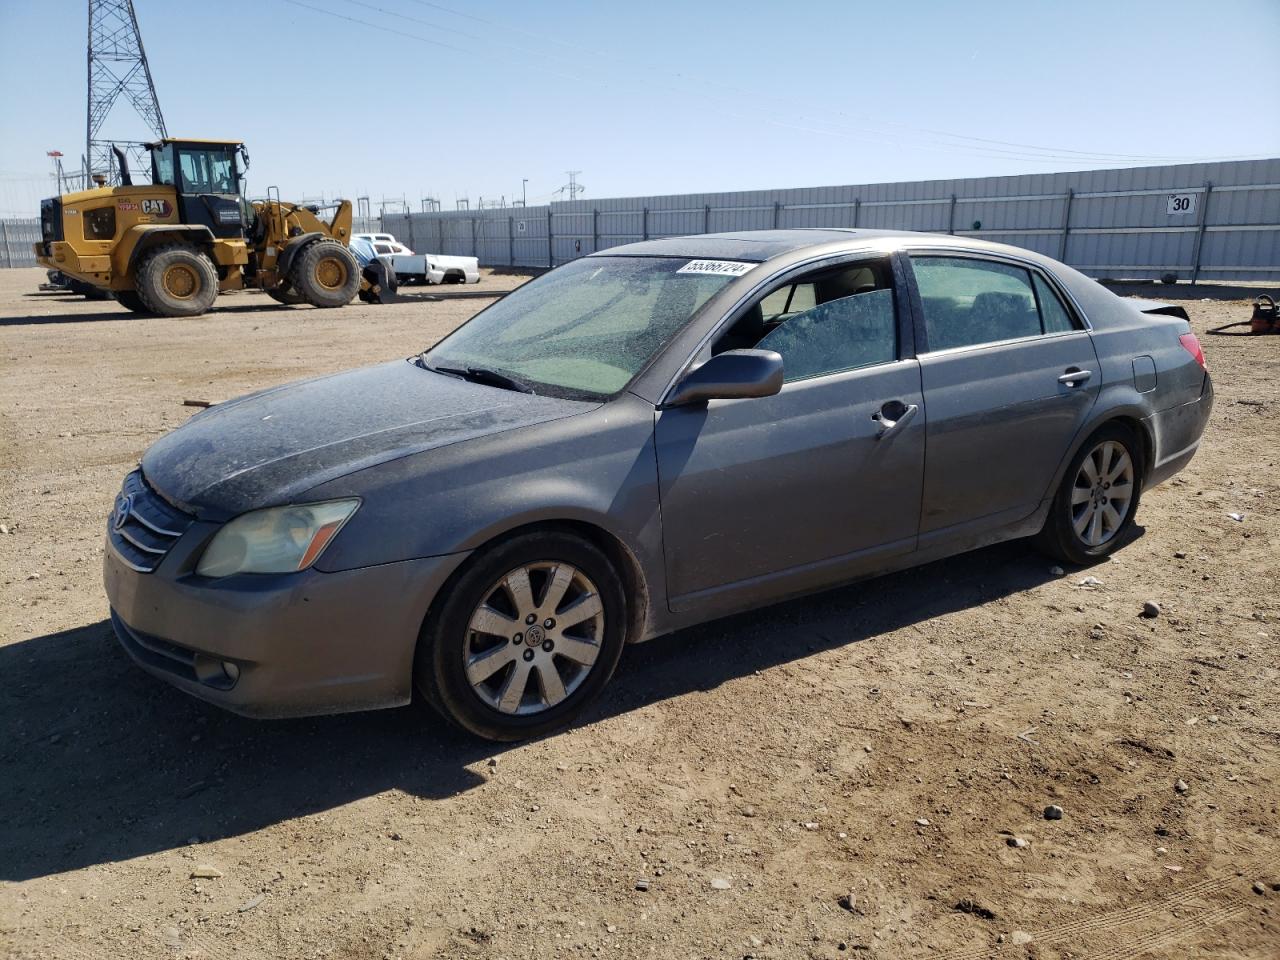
x,y
171,247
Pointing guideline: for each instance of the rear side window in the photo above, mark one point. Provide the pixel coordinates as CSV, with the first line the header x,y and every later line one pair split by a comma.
x,y
969,302
1052,312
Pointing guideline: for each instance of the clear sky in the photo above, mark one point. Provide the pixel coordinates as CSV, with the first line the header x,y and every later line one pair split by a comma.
x,y
464,99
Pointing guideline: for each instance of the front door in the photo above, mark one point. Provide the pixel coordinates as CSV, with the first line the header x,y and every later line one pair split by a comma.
x,y
769,496
209,191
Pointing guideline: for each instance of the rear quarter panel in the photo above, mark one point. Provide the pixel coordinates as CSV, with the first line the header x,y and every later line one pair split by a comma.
x,y
1172,405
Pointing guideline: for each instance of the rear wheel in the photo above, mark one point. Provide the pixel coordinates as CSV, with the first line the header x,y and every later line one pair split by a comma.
x,y
176,281
326,274
526,639
1098,498
131,300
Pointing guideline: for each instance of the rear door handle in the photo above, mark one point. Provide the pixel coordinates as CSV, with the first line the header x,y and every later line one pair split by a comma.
x,y
893,416
1075,376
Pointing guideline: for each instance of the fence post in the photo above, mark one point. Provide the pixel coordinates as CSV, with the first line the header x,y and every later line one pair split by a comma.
x,y
4,233
951,221
1066,226
1204,222
551,250
439,235
595,230
857,208
777,212
706,219
511,241
412,245
475,247
644,223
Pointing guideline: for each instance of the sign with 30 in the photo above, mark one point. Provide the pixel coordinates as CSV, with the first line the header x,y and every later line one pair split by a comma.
x,y
1181,203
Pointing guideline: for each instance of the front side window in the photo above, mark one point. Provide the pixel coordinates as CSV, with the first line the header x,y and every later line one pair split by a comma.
x,y
968,302
826,322
584,329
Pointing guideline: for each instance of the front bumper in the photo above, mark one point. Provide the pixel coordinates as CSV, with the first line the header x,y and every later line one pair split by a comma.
x,y
278,646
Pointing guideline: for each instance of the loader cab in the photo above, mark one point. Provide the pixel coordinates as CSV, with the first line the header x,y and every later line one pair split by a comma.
x,y
206,176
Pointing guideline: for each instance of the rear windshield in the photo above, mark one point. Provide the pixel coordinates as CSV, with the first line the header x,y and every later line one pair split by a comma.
x,y
587,328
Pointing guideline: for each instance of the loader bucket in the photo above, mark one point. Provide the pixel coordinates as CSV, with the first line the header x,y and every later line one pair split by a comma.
x,y
379,284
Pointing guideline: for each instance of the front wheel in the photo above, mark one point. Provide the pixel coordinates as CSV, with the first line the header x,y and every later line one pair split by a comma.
x,y
526,638
325,274
1097,500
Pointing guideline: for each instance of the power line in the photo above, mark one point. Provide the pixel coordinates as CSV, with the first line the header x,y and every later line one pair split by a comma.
x,y
968,146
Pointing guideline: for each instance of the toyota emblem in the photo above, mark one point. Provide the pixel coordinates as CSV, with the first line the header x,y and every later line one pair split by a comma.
x,y
123,507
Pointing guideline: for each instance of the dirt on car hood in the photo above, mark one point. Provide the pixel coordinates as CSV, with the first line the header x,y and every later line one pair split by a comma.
x,y
270,447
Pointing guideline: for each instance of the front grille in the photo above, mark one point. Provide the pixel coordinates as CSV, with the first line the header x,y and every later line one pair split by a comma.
x,y
143,527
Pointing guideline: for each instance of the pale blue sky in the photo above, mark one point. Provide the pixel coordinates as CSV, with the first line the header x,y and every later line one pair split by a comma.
x,y
465,98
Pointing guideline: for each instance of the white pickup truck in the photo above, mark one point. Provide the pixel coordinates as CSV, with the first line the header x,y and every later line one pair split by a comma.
x,y
413,267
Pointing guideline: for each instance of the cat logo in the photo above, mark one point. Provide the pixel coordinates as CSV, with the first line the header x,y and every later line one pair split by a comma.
x,y
157,208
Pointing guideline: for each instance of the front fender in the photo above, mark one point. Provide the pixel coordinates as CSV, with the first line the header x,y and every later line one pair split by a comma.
x,y
138,239
596,468
295,246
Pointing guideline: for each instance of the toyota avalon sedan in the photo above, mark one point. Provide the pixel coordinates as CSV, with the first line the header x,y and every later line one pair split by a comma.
x,y
641,440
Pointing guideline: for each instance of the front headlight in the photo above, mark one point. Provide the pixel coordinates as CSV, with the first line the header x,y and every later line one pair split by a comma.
x,y
278,540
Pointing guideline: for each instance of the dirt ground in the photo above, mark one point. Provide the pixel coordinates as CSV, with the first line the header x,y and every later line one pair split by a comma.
x,y
842,776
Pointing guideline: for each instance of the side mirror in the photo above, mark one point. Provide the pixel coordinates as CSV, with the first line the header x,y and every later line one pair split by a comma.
x,y
729,376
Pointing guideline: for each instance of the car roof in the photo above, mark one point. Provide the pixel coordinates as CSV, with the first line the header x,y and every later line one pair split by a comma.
x,y
760,245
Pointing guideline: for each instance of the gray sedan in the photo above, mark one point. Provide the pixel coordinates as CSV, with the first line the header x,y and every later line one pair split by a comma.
x,y
638,441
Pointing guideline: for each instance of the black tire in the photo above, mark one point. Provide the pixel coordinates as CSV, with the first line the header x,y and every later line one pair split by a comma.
x,y
325,274
130,300
288,296
176,280
447,638
1059,538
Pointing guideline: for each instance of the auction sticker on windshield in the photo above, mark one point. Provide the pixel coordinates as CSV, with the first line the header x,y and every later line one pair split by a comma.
x,y
724,268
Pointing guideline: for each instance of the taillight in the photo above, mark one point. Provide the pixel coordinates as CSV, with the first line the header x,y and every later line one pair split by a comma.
x,y
1192,346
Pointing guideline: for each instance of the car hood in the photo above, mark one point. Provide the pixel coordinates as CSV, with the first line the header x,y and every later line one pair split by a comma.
x,y
271,447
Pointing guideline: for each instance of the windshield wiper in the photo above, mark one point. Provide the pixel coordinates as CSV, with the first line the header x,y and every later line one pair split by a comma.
x,y
483,375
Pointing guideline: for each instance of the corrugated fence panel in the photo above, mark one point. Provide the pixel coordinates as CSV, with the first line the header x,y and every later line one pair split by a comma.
x,y
1219,219
16,239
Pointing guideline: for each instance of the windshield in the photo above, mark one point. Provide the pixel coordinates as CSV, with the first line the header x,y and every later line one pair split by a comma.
x,y
587,327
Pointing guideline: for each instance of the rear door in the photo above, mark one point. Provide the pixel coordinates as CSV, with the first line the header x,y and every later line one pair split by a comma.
x,y
1009,375
773,495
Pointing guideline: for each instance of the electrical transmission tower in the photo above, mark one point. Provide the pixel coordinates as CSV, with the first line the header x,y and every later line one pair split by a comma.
x,y
118,70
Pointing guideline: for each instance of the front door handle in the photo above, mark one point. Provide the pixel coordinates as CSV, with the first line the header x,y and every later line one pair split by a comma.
x,y
893,416
1074,376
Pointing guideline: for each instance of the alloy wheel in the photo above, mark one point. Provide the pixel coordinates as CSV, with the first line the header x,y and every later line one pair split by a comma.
x,y
534,638
1103,493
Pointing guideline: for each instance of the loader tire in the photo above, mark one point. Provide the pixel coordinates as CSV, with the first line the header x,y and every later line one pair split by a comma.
x,y
176,280
130,300
288,296
326,274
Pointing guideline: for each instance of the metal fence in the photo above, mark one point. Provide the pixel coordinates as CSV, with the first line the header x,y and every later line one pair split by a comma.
x,y
16,238
1217,221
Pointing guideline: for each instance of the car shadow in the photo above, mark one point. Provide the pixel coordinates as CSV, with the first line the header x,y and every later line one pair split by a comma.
x,y
101,762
